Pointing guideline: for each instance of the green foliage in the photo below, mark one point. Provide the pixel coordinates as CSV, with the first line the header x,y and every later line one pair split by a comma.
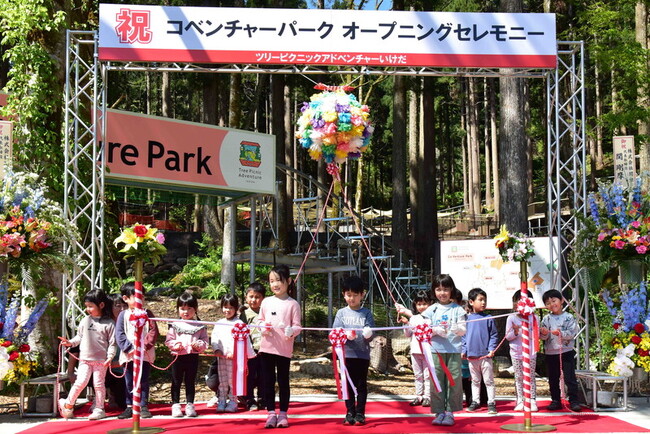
x,y
602,351
316,316
214,291
201,269
31,29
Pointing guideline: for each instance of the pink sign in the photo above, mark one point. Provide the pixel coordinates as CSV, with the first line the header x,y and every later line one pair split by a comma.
x,y
155,150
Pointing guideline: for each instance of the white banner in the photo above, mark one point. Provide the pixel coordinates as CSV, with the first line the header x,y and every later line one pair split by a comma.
x,y
624,159
326,37
477,264
6,146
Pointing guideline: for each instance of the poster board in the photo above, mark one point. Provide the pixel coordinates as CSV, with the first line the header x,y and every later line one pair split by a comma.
x,y
477,264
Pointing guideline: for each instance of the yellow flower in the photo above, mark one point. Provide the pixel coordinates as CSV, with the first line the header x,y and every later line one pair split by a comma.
x,y
129,238
502,237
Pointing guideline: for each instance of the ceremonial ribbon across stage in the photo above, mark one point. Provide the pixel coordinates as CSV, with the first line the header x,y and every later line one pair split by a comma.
x,y
338,338
423,334
240,333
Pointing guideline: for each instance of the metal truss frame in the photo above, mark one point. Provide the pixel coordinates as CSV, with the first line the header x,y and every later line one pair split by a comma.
x,y
567,181
84,173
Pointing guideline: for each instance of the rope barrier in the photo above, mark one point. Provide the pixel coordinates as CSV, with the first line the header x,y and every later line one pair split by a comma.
x,y
324,329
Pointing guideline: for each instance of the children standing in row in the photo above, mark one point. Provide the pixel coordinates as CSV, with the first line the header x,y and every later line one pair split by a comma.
x,y
96,339
125,338
185,340
558,330
357,348
421,302
280,314
224,345
514,325
478,346
255,293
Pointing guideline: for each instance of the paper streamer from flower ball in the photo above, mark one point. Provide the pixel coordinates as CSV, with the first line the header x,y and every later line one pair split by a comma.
x,y
334,126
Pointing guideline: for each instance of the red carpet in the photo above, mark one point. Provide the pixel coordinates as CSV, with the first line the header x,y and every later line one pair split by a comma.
x,y
326,417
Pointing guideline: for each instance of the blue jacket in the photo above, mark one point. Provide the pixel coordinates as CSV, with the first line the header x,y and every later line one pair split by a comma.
x,y
481,336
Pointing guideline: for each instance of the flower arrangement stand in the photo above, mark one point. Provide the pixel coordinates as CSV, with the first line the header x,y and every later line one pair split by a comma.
x,y
52,384
596,380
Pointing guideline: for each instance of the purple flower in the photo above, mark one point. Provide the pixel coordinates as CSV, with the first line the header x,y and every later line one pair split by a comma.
x,y
593,207
3,299
318,122
160,237
36,314
10,319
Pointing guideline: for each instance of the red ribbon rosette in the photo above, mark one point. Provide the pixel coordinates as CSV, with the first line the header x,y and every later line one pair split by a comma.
x,y
240,331
338,337
526,306
423,332
138,317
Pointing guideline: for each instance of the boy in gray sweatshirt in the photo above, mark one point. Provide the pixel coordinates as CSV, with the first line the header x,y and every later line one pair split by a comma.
x,y
357,348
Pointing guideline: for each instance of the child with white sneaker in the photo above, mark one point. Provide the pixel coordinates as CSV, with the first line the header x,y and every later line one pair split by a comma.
x,y
513,335
223,344
186,340
421,302
96,339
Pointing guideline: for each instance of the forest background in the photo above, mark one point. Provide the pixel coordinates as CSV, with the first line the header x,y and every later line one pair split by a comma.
x,y
439,142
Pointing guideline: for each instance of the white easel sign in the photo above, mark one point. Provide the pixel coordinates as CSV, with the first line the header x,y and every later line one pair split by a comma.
x,y
6,145
624,159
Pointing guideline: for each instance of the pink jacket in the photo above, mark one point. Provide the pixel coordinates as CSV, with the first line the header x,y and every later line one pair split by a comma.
x,y
186,334
280,313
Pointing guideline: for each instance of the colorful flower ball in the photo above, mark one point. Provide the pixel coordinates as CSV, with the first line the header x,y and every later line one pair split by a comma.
x,y
334,126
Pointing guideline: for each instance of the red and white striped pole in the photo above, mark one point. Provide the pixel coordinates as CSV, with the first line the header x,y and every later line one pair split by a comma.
x,y
138,357
526,344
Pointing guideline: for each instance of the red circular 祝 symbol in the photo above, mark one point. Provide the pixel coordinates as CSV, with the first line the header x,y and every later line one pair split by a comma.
x,y
240,331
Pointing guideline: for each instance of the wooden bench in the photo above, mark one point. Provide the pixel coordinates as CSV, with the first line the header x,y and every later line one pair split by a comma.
x,y
602,400
49,383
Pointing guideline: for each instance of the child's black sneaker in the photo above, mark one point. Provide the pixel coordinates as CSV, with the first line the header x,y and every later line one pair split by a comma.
x,y
349,419
360,419
145,413
474,406
574,406
492,408
416,401
126,414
